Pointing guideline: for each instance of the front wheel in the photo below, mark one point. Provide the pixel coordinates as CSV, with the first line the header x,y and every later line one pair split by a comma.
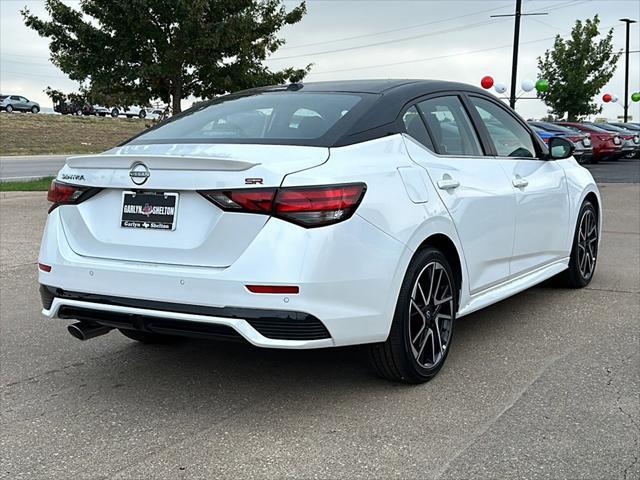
x,y
584,251
34,109
422,328
115,112
142,114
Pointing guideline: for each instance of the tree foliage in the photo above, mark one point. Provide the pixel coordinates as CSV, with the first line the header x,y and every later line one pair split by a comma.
x,y
131,51
577,69
58,96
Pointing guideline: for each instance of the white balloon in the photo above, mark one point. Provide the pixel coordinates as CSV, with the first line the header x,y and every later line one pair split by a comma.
x,y
500,87
528,85
614,98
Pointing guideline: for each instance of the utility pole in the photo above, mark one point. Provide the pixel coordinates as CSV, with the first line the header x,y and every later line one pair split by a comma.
x,y
628,21
516,44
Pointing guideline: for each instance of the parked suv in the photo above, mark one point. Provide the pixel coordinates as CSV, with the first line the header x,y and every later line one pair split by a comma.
x,y
74,108
9,103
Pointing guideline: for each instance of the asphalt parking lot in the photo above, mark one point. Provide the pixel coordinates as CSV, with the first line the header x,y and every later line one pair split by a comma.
x,y
543,385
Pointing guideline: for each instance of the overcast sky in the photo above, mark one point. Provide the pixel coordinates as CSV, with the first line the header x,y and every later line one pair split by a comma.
x,y
443,39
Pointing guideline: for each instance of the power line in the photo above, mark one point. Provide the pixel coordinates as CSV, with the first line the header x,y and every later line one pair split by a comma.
x,y
439,57
426,59
410,27
386,42
414,37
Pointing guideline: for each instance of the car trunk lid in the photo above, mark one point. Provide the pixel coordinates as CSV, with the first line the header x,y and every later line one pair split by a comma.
x,y
203,235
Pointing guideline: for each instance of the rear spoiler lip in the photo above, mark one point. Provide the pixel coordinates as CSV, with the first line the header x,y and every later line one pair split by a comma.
x,y
159,162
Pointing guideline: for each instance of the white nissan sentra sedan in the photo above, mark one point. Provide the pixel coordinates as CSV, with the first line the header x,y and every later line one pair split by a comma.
x,y
319,215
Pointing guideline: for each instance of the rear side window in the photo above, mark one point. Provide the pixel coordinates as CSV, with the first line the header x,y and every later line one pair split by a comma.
x,y
450,127
414,126
509,137
259,117
15,97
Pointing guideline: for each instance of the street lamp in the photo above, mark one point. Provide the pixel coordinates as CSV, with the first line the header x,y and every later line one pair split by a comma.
x,y
628,21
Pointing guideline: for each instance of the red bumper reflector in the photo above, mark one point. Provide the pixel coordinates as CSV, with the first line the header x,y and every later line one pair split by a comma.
x,y
44,268
290,290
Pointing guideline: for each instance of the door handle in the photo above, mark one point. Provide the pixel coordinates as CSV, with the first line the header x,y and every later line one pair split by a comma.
x,y
520,182
448,184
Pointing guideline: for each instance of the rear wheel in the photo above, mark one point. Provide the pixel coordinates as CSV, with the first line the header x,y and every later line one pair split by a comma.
x,y
146,337
9,108
584,252
422,328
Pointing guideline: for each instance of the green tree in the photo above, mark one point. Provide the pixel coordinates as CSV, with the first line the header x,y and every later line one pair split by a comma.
x,y
131,51
577,68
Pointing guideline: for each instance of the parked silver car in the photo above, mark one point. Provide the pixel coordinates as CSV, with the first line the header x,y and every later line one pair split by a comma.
x,y
18,103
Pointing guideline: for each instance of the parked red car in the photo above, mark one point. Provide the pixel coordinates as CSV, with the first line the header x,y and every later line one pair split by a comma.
x,y
606,145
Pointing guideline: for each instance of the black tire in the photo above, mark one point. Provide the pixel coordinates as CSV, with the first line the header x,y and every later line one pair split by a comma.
x,y
142,114
575,276
78,112
34,109
395,359
9,108
146,337
115,113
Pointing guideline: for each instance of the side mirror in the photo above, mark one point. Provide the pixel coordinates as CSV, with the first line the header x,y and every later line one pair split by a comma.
x,y
560,148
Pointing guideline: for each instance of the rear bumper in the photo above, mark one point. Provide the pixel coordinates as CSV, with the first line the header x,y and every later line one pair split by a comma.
x,y
263,328
348,274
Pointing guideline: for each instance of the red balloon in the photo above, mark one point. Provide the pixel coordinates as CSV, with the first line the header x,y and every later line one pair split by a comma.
x,y
606,98
486,82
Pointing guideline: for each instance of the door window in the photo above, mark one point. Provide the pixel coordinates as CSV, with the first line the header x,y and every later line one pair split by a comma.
x,y
509,137
414,126
15,97
450,128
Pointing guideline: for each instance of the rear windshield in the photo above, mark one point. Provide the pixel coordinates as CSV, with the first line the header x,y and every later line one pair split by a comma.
x,y
267,117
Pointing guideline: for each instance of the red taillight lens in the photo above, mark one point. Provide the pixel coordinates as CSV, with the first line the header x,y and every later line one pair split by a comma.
x,y
256,200
306,206
65,194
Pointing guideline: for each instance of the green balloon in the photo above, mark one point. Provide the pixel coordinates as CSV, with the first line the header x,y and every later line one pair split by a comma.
x,y
542,85
636,97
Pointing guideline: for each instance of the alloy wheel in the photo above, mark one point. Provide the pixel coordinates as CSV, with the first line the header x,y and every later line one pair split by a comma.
x,y
431,311
587,244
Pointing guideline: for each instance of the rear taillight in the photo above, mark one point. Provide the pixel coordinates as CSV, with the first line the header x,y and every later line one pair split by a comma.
x,y
309,207
66,194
